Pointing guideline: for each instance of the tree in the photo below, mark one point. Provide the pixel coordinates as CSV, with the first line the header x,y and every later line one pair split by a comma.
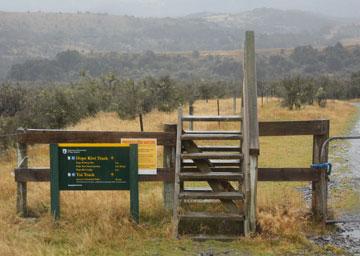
x,y
163,93
321,97
68,60
293,93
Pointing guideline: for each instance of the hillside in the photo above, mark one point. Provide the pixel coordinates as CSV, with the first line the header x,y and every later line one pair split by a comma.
x,y
35,35
272,64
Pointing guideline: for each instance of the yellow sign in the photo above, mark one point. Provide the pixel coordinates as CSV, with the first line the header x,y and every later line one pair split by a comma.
x,y
147,154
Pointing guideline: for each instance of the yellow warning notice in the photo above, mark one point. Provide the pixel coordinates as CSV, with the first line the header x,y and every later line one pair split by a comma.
x,y
147,154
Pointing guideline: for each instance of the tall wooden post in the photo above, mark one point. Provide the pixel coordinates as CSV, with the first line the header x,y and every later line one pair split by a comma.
x,y
169,163
250,144
21,195
320,188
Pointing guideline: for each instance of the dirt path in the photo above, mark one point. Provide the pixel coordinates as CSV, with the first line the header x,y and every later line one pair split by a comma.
x,y
346,173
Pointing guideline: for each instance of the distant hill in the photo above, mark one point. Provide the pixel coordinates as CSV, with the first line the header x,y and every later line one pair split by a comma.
x,y
42,35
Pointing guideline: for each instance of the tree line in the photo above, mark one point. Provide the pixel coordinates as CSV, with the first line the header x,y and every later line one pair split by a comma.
x,y
54,105
70,65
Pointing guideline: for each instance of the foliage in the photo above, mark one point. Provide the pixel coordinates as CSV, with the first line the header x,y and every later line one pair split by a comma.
x,y
70,66
321,97
59,105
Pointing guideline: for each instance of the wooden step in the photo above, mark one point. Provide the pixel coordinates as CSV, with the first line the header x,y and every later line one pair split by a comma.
x,y
234,169
212,132
223,162
212,195
211,137
221,238
199,176
212,155
212,118
211,216
220,148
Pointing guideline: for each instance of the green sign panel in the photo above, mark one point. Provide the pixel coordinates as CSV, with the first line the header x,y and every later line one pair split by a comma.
x,y
94,167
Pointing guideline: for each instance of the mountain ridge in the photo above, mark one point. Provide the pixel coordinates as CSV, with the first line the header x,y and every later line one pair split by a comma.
x,y
43,35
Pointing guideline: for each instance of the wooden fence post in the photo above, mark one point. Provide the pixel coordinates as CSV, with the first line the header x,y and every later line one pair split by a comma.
x,y
21,195
191,112
169,162
250,144
234,105
320,188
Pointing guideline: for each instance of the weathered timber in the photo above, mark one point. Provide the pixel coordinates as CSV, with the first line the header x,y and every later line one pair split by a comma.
x,y
211,137
169,163
250,143
177,185
167,175
212,118
320,188
34,136
198,176
220,148
212,132
190,162
221,238
204,166
288,174
191,113
211,216
21,193
211,155
293,128
214,169
212,195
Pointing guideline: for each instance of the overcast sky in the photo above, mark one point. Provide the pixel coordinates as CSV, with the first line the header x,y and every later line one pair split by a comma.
x,y
340,8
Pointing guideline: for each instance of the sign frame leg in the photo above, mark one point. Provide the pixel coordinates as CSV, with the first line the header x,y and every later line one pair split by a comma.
x,y
134,184
54,181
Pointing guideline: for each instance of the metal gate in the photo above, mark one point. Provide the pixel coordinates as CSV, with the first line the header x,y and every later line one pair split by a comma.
x,y
328,167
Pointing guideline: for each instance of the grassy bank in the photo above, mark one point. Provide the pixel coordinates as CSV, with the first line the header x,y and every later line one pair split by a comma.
x,y
97,223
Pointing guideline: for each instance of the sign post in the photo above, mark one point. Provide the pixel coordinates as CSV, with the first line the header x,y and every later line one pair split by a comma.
x,y
94,167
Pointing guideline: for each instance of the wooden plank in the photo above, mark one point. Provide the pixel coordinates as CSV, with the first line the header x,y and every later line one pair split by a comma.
x,y
212,132
212,155
211,216
198,176
320,188
214,169
43,175
212,195
204,165
21,193
221,238
288,174
189,162
212,118
164,174
293,128
34,136
250,143
211,137
169,163
220,148
177,172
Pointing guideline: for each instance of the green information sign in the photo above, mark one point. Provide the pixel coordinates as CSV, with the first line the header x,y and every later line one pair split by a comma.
x,y
94,167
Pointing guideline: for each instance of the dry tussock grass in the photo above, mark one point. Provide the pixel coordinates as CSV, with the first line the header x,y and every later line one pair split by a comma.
x,y
97,223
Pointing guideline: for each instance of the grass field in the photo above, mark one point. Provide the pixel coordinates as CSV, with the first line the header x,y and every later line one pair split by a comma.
x,y
98,223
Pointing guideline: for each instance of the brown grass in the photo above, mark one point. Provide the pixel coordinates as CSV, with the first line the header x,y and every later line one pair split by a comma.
x,y
97,223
